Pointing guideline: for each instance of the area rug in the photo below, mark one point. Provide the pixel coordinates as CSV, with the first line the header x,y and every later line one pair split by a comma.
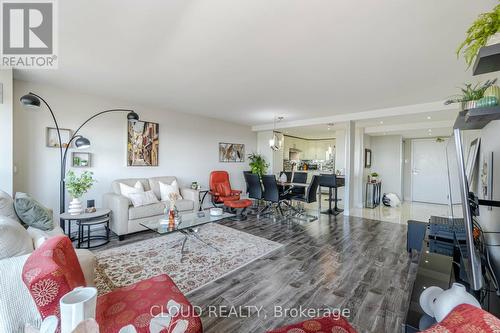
x,y
201,264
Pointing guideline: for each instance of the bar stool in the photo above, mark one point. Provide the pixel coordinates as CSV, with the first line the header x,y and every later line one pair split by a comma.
x,y
330,181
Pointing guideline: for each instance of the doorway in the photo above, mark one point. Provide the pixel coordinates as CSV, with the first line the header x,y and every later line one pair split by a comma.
x,y
429,173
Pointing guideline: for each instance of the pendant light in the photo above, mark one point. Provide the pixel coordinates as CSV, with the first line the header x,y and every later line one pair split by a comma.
x,y
276,142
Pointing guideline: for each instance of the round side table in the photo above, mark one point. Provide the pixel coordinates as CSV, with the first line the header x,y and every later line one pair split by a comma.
x,y
100,217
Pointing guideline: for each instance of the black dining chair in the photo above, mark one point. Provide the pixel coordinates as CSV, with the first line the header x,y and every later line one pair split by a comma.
x,y
272,194
299,178
310,196
254,189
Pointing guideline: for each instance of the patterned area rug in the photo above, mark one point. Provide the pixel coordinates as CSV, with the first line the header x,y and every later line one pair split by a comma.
x,y
201,264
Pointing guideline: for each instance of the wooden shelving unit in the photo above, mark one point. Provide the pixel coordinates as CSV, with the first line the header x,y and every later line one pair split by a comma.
x,y
476,118
487,60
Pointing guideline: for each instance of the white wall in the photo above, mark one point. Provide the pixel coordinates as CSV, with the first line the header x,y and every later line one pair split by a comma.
x,y
188,143
367,144
264,149
387,162
340,150
6,133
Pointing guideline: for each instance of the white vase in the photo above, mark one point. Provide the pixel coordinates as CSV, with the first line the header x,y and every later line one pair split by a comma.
x,y
75,207
451,298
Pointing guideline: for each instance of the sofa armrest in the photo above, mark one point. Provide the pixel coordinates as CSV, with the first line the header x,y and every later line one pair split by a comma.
x,y
193,195
118,204
88,263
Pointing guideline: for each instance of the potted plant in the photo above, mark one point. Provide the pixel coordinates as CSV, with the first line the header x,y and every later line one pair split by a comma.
x,y
484,31
77,187
373,177
470,94
257,164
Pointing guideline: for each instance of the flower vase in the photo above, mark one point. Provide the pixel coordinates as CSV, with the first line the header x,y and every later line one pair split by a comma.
x,y
75,207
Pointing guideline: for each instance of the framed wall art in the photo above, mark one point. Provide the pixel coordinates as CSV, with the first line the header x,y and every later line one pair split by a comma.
x,y
143,141
231,152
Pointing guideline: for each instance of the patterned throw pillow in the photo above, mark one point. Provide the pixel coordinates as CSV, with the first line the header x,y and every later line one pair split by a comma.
x,y
32,213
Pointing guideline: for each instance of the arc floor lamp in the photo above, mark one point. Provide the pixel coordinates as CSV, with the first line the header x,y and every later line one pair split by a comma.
x,y
33,101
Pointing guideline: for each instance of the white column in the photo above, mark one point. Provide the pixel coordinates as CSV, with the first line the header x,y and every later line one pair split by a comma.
x,y
350,136
359,167
6,132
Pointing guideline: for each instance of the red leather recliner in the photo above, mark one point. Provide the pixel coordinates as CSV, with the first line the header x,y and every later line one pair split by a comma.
x,y
220,188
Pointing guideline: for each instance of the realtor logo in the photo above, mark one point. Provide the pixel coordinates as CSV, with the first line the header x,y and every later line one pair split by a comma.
x,y
28,34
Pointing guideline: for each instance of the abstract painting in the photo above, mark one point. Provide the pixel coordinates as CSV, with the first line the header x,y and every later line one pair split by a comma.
x,y
231,152
142,143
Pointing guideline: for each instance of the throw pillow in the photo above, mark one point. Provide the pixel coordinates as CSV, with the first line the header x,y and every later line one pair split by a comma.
x,y
32,213
14,239
126,190
143,198
38,236
167,190
7,206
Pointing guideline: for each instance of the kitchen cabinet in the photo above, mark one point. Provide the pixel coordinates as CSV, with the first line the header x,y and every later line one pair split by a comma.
x,y
310,149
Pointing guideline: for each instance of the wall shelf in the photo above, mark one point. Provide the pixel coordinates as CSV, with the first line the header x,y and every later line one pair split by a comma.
x,y
476,118
487,60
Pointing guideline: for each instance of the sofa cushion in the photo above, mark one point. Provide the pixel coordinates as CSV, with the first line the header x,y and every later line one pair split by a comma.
x,y
33,213
17,307
14,239
7,206
154,183
146,211
115,185
466,318
182,205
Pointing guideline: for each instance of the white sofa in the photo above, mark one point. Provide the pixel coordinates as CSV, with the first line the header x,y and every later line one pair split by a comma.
x,y
126,219
16,304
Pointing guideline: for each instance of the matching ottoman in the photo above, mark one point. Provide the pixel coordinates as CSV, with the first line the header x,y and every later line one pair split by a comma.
x,y
238,207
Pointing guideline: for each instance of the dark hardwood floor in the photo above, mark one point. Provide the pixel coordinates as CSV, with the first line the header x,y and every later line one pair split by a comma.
x,y
348,263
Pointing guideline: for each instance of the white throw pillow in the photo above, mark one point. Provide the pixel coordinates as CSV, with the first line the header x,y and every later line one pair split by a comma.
x,y
17,307
166,190
7,206
125,190
14,239
143,198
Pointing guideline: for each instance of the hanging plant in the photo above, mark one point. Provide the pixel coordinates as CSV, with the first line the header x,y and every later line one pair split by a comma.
x,y
478,34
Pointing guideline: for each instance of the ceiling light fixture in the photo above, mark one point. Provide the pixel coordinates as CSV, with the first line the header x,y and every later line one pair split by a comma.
x,y
429,117
276,141
381,122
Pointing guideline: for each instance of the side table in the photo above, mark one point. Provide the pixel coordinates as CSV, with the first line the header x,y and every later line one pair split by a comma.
x,y
100,217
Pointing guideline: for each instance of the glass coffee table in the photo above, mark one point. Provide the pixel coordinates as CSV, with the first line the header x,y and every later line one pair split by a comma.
x,y
188,225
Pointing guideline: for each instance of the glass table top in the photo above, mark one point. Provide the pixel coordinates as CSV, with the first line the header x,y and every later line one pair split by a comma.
x,y
187,221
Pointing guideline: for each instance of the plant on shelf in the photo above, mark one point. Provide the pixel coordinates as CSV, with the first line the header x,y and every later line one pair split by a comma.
x,y
257,164
486,25
372,178
470,94
77,187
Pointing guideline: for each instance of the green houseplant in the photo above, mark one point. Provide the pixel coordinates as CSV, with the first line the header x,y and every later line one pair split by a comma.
x,y
257,164
470,94
486,25
77,187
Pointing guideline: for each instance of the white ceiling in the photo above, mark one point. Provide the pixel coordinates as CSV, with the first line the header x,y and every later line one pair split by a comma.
x,y
440,123
248,60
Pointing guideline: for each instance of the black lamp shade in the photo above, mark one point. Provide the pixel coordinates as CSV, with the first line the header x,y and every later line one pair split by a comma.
x,y
132,116
30,101
82,143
